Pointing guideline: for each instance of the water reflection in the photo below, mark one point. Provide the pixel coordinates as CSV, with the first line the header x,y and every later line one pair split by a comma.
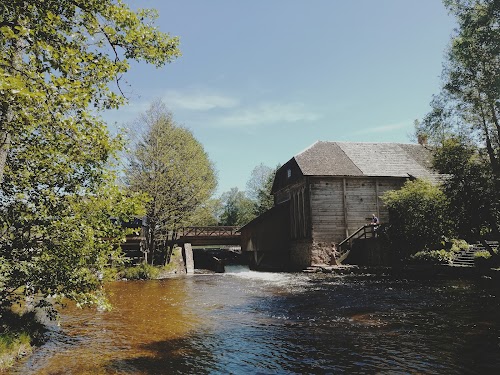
x,y
245,322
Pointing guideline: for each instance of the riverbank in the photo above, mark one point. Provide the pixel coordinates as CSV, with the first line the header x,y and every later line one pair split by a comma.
x,y
412,271
12,348
19,335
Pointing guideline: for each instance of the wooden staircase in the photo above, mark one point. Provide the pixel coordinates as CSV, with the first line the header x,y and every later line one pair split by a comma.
x,y
366,231
465,258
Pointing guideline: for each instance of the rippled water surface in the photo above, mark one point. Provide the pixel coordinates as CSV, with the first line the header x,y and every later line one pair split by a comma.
x,y
245,322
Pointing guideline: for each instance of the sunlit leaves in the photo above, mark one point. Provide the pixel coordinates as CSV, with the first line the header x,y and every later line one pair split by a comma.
x,y
172,168
418,216
57,60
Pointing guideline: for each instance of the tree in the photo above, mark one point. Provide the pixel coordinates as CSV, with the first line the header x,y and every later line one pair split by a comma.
x,y
259,188
418,215
57,196
56,236
468,187
468,107
207,214
171,167
265,200
473,202
471,76
58,58
258,178
237,208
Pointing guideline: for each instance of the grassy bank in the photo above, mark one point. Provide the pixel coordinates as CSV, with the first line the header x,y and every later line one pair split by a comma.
x,y
145,271
19,334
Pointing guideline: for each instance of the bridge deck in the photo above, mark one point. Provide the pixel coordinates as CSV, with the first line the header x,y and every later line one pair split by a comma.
x,y
210,240
209,236
196,236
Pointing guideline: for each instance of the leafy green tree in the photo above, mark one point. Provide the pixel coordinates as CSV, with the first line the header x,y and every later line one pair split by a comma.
x,y
172,168
56,236
468,107
265,200
469,102
472,73
207,214
259,187
258,178
468,187
418,215
57,61
58,58
474,204
237,210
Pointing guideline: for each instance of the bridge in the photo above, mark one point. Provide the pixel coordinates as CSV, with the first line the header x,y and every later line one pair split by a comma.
x,y
208,236
135,246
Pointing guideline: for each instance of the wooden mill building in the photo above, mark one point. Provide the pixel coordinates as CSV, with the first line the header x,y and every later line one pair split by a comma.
x,y
324,194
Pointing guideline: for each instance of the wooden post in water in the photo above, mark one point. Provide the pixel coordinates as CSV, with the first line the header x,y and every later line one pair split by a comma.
x,y
188,254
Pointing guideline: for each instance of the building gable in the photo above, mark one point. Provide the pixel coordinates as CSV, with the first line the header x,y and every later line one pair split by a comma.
x,y
350,159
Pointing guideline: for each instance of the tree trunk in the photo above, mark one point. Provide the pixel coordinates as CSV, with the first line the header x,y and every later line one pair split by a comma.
x,y
495,120
495,167
4,150
7,115
490,249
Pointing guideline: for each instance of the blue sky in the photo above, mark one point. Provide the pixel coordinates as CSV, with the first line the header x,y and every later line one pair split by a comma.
x,y
261,80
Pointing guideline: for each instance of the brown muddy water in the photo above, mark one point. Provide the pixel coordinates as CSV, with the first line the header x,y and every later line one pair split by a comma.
x,y
245,322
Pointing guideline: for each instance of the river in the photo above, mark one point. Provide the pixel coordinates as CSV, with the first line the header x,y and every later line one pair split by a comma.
x,y
245,322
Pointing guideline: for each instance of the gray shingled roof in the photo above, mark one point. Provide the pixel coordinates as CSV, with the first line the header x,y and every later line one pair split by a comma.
x,y
366,159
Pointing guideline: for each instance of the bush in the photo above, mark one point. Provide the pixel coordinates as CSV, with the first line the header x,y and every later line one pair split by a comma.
x,y
482,254
432,257
418,216
143,271
17,335
458,245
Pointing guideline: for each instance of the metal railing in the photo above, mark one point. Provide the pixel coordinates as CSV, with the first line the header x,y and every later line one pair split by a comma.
x,y
215,231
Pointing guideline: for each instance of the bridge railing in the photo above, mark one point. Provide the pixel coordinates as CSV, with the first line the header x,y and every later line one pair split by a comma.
x,y
209,231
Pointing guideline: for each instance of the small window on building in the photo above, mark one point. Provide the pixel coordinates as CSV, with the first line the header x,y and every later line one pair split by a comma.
x,y
289,173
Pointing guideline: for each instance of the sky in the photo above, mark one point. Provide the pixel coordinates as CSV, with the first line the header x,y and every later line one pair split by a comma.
x,y
259,81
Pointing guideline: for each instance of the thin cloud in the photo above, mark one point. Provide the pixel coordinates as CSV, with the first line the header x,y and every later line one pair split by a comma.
x,y
197,101
267,114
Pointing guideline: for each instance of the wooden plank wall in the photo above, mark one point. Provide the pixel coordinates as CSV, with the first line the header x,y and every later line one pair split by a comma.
x,y
299,211
361,202
339,206
327,209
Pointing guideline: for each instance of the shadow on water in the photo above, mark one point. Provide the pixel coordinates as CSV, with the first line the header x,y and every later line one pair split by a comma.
x,y
174,356
258,323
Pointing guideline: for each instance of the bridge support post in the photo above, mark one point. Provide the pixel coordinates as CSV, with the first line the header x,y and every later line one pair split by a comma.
x,y
188,258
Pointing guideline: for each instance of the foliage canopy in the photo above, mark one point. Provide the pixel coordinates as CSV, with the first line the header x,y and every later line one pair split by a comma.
x,y
57,63
463,125
58,58
418,216
238,210
469,103
172,168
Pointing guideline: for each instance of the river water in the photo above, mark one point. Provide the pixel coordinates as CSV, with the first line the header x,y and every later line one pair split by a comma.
x,y
245,322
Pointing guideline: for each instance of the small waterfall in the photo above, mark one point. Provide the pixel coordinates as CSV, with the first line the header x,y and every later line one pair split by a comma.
x,y
245,272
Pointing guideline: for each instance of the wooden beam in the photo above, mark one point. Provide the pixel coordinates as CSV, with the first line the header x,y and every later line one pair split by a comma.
x,y
344,188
